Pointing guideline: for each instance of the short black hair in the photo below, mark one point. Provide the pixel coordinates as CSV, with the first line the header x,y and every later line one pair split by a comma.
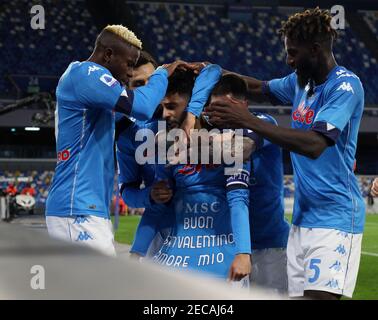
x,y
145,58
313,25
181,82
231,84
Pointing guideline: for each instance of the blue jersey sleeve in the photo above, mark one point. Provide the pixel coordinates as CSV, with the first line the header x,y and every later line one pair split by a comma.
x,y
148,97
203,85
154,218
237,186
130,172
260,142
283,89
97,88
148,227
342,100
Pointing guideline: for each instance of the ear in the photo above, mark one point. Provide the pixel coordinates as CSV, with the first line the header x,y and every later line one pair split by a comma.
x,y
108,52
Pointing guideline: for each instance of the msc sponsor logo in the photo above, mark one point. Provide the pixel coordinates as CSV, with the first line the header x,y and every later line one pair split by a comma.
x,y
303,114
64,155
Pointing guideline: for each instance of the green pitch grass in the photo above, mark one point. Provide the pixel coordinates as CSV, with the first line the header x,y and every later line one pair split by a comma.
x,y
367,281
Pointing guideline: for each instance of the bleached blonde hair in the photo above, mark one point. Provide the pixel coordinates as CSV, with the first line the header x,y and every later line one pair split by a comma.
x,y
125,34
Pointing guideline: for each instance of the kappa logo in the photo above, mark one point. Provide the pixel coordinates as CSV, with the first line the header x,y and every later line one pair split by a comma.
x,y
340,249
108,80
84,236
345,86
92,69
337,266
334,284
80,219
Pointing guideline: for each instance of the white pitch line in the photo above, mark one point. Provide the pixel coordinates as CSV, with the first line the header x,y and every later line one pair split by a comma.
x,y
370,254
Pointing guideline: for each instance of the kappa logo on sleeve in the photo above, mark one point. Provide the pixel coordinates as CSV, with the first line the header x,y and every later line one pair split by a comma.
x,y
346,86
108,80
92,69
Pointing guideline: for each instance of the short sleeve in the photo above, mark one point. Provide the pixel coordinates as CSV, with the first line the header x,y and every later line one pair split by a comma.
x,y
97,89
342,100
283,89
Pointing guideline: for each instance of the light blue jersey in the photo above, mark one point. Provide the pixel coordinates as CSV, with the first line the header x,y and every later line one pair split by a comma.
x,y
132,174
87,98
326,189
269,228
211,218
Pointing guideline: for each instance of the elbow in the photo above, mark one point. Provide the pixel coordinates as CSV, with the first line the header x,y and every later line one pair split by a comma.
x,y
314,151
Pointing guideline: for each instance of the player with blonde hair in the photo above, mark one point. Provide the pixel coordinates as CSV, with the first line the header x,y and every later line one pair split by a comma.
x,y
88,94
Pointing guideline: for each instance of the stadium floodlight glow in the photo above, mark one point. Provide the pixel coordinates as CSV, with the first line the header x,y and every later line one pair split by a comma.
x,y
32,128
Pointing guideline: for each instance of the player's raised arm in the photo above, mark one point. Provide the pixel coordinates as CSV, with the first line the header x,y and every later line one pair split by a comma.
x,y
109,68
209,75
237,186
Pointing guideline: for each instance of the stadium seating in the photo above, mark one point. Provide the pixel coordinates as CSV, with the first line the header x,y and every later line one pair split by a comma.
x,y
183,31
249,47
69,35
371,18
39,180
364,183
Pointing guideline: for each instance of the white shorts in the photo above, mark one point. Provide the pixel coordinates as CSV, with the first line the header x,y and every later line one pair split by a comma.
x,y
91,231
269,269
323,260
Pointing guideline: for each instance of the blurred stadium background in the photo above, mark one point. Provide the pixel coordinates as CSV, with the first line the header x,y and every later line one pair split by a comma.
x,y
235,34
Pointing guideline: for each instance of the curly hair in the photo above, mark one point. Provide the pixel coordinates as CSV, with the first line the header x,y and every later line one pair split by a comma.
x,y
313,25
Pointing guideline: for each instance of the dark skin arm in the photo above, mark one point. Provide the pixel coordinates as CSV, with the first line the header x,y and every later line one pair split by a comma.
x,y
308,143
254,87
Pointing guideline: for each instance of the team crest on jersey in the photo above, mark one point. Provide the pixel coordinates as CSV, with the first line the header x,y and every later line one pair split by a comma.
x,y
108,80
303,114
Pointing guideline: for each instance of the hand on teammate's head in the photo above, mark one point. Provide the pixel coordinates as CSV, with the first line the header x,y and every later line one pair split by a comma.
x,y
171,67
198,66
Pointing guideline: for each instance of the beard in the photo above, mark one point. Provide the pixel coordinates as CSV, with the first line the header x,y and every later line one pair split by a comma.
x,y
173,123
303,78
304,73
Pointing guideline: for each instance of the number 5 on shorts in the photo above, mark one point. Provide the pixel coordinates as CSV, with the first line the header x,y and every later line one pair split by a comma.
x,y
313,266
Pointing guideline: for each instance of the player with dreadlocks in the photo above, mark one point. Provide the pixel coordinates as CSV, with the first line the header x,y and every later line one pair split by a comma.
x,y
324,244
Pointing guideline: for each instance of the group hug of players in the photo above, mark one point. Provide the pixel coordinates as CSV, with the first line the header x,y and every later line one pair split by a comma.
x,y
197,217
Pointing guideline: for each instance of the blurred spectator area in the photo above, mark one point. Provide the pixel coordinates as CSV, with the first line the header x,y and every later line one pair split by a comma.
x,y
238,37
40,180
